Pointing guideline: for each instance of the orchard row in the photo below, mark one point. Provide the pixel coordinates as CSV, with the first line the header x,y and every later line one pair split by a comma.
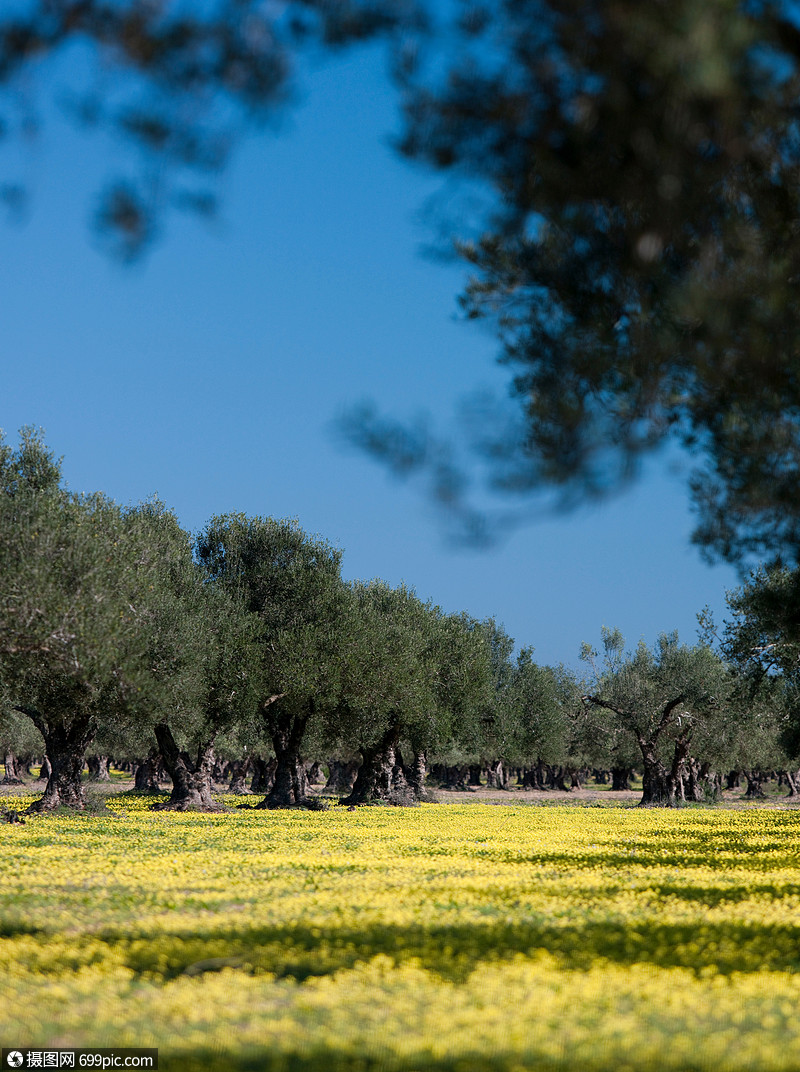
x,y
120,633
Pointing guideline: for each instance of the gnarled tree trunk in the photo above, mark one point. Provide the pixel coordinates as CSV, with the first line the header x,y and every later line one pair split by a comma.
x,y
287,729
555,778
497,775
415,774
191,780
620,778
656,788
314,773
455,777
263,775
696,780
534,777
380,778
65,745
99,768
239,769
755,788
342,775
147,773
12,775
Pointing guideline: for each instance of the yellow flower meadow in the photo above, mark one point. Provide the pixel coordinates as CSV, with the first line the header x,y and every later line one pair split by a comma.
x,y
450,938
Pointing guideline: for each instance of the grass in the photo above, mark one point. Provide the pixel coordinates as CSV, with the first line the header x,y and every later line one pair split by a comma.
x,y
436,939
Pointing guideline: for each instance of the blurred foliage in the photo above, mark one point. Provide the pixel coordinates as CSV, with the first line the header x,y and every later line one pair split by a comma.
x,y
630,223
179,83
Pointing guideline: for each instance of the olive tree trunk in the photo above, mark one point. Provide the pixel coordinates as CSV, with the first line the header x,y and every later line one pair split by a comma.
x,y
497,775
65,746
696,780
146,776
662,787
380,778
620,778
99,768
13,775
416,773
342,775
191,780
240,768
263,774
287,728
755,787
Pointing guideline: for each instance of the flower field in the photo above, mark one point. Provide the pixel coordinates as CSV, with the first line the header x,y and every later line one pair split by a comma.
x,y
456,938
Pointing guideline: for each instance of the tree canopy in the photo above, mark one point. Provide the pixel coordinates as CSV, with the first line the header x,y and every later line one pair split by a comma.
x,y
290,584
635,250
666,698
75,605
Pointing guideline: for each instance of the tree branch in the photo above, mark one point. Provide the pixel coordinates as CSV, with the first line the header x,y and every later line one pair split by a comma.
x,y
667,713
598,702
35,716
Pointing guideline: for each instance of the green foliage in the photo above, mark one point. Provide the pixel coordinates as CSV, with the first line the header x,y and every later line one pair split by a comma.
x,y
410,665
542,702
496,727
657,695
201,645
762,639
109,625
629,173
71,616
389,679
18,733
288,583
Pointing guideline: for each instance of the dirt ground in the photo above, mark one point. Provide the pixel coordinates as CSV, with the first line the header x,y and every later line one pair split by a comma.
x,y
587,797
516,795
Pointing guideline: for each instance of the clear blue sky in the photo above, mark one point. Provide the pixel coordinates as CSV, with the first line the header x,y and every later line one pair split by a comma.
x,y
211,373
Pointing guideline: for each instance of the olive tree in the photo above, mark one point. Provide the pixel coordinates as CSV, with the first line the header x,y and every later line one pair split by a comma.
x,y
667,698
74,585
290,584
202,661
414,676
762,640
541,702
20,741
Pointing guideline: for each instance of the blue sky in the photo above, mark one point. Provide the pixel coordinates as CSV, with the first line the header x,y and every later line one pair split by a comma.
x,y
212,372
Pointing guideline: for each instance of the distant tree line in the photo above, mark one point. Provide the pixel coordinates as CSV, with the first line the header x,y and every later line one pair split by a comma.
x,y
242,654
